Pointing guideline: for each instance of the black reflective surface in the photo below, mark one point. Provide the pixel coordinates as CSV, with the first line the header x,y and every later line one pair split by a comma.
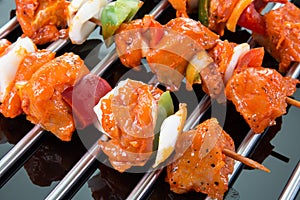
x,y
52,159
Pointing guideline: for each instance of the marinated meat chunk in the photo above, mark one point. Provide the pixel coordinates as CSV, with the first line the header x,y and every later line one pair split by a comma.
x,y
42,101
259,94
201,165
282,38
42,20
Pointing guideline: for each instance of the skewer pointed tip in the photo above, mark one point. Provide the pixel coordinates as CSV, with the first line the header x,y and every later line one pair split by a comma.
x,y
246,161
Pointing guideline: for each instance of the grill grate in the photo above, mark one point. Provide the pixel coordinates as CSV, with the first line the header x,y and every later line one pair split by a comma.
x,y
70,181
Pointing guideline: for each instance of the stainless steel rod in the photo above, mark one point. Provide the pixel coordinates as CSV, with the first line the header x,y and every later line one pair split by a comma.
x,y
292,187
19,149
100,68
294,71
8,27
58,44
74,174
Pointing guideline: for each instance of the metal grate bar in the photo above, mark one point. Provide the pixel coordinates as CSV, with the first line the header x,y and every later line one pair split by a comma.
x,y
293,185
8,27
142,188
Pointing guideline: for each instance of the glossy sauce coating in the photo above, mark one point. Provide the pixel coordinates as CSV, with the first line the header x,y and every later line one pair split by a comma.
x,y
259,94
4,43
129,43
128,119
42,20
219,13
282,38
11,106
42,100
201,169
167,48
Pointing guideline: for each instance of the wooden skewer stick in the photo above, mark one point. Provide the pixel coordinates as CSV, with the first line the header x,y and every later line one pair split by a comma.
x,y
96,21
246,161
293,102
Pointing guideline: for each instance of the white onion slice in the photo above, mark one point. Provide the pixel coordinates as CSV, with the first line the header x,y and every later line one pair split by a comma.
x,y
80,11
238,51
170,129
10,61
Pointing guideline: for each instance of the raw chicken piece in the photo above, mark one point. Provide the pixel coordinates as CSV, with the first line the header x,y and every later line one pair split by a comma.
x,y
42,101
201,165
43,20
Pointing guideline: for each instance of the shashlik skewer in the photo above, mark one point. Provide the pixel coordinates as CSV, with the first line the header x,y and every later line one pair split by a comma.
x,y
86,161
40,81
276,30
37,131
182,5
19,149
149,178
51,20
75,12
212,67
131,115
33,136
22,146
203,170
130,126
145,184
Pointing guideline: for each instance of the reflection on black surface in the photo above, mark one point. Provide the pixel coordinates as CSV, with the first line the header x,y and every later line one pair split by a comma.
x,y
111,184
264,147
12,130
161,190
53,159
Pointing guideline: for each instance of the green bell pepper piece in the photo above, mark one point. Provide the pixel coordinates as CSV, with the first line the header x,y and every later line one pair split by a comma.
x,y
165,109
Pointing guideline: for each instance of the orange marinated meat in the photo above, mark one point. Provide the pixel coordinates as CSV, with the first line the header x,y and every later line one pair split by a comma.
x,y
282,38
42,20
4,43
170,57
42,101
194,30
129,43
127,118
222,54
11,105
219,13
259,94
200,164
180,7
134,38
167,48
